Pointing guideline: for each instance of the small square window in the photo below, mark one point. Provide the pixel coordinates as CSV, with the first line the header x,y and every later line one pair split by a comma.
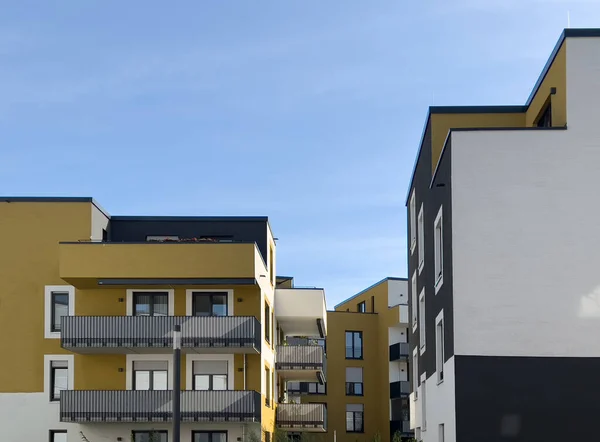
x,y
58,435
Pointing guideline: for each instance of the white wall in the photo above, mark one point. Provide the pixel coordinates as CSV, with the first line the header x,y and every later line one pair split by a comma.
x,y
26,417
398,371
99,222
397,292
397,334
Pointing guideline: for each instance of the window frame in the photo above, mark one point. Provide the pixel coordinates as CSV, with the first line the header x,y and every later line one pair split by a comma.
x,y
49,314
317,386
152,304
362,353
268,386
149,432
421,238
361,307
194,432
210,295
441,431
354,420
53,370
131,299
150,377
439,347
351,386
53,433
422,321
53,303
415,374
414,300
412,208
438,250
267,323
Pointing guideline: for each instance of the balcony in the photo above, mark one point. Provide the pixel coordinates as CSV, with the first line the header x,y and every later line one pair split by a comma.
x,y
100,264
399,351
399,389
401,312
302,417
88,406
301,363
154,334
401,426
301,312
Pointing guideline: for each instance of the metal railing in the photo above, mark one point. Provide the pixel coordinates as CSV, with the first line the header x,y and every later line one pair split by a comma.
x,y
157,331
399,351
156,406
302,416
399,389
401,426
302,357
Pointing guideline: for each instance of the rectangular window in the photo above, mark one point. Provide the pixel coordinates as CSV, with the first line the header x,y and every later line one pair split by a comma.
x,y
423,405
438,243
149,436
209,304
317,388
267,436
441,436
58,435
415,374
267,387
423,326
372,304
354,381
354,347
355,418
361,307
209,375
150,304
267,323
412,209
421,238
60,308
545,118
59,379
272,265
439,348
413,296
150,375
209,436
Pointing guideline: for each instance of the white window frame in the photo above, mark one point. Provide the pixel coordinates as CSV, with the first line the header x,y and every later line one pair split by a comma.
x,y
438,251
422,322
415,376
130,359
421,238
439,347
48,290
412,209
424,402
415,304
170,297
48,359
189,367
189,299
441,435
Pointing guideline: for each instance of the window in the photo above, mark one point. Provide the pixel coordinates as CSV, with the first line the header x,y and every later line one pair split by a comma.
x,y
354,418
59,301
441,433
438,251
413,295
59,378
415,374
361,307
104,235
267,323
421,239
372,304
412,209
439,347
209,436
354,381
209,304
58,435
150,375
423,326
316,388
272,265
60,308
149,436
267,387
151,304
423,405
354,345
210,375
267,436
545,118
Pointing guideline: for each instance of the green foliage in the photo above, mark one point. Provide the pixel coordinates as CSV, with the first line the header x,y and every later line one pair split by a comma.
x,y
377,437
397,437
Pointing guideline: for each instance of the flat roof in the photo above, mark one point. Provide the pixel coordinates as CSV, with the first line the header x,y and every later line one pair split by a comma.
x,y
387,278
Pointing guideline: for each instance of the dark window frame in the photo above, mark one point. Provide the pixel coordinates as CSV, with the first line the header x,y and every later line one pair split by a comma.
x,y
150,377
351,389
210,295
268,387
53,370
53,433
353,347
267,322
149,432
210,433
53,303
354,421
545,117
317,385
210,381
361,307
152,296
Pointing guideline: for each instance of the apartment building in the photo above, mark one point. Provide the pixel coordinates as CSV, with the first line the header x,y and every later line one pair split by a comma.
x,y
367,386
504,297
88,307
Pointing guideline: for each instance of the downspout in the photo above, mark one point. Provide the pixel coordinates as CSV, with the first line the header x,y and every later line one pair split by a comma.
x,y
245,371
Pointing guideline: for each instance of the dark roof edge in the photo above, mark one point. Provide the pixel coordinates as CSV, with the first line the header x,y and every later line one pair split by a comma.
x,y
190,218
369,288
492,109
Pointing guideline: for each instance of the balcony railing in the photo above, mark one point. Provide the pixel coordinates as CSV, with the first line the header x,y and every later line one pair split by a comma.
x,y
156,406
399,389
301,362
122,334
399,351
402,426
302,417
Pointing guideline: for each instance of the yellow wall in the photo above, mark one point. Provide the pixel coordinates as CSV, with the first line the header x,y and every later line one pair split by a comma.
x,y
555,77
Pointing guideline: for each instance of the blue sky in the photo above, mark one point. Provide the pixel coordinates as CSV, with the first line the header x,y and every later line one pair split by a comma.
x,y
309,112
